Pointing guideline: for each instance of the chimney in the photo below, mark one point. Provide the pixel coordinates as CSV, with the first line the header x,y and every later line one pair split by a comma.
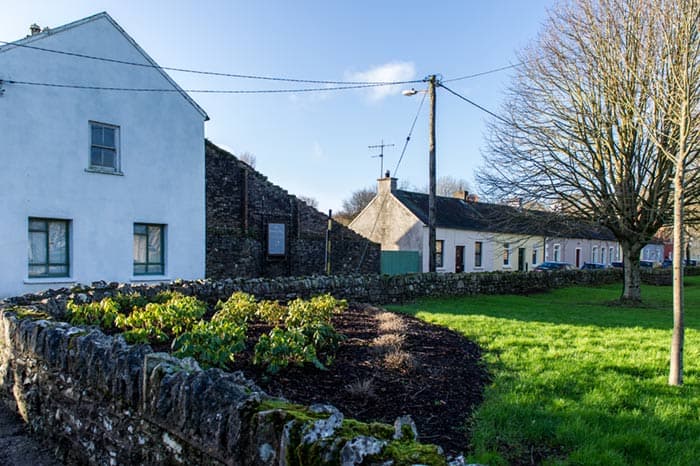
x,y
386,184
34,29
461,194
473,198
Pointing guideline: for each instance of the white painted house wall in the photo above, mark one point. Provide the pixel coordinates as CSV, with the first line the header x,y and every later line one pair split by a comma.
x,y
45,149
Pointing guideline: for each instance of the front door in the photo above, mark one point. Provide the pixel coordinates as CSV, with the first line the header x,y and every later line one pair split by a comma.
x,y
459,259
521,259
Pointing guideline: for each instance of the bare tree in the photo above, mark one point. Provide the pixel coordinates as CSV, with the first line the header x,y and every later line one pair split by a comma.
x,y
249,158
583,118
352,206
448,185
310,201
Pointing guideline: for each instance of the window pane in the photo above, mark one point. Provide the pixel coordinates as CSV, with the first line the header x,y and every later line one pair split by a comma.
x,y
37,225
37,248
108,158
58,249
58,270
139,269
96,156
37,270
139,249
108,137
154,244
96,131
140,229
155,268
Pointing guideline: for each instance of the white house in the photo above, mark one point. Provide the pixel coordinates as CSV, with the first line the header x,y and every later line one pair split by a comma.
x,y
97,184
474,236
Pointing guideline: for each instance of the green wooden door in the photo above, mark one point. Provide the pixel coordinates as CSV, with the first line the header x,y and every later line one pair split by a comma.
x,y
399,262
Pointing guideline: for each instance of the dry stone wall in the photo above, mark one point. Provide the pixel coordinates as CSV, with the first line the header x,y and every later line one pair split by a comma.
x,y
241,203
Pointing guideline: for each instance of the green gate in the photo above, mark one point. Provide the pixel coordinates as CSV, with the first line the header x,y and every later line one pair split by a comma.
x,y
399,262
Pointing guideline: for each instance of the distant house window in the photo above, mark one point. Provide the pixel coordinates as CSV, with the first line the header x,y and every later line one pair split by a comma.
x,y
602,255
276,239
611,254
48,247
594,254
534,255
557,248
506,254
477,253
149,251
439,256
104,147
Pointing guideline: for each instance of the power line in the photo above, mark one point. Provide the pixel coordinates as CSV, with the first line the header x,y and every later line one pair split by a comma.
x,y
410,132
200,91
211,73
474,104
476,75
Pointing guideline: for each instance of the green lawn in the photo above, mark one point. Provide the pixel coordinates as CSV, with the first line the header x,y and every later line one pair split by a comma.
x,y
578,381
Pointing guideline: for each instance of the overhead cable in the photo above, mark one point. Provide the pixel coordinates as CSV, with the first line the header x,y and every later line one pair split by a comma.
x,y
474,104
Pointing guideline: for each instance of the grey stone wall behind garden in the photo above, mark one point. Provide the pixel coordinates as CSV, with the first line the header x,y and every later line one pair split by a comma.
x,y
241,203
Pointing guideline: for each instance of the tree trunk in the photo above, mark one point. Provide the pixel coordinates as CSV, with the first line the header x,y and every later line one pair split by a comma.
x,y
675,376
631,288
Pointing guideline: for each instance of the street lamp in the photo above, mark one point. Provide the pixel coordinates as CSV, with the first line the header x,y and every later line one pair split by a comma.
x,y
432,83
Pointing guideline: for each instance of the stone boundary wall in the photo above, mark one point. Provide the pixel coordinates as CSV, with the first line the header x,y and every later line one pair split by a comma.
x,y
105,402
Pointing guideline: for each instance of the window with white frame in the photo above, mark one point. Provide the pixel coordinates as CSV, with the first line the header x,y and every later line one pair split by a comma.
x,y
48,248
594,254
149,249
478,247
557,255
506,254
602,255
611,253
104,147
534,256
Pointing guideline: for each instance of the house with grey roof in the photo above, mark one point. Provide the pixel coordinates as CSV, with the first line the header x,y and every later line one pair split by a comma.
x,y
474,236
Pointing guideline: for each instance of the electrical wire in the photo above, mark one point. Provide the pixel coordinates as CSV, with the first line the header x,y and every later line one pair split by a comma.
x,y
476,75
410,132
474,104
212,73
199,91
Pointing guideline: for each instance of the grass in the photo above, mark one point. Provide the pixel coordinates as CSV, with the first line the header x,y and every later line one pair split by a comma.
x,y
577,380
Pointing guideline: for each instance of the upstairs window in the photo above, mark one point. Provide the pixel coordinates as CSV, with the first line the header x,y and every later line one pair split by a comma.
x,y
149,255
104,147
48,248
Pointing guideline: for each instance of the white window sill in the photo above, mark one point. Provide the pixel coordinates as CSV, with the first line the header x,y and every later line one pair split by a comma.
x,y
49,280
150,278
104,171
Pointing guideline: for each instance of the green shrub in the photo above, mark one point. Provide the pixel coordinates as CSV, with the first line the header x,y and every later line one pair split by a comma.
x,y
280,348
103,313
271,312
240,307
212,344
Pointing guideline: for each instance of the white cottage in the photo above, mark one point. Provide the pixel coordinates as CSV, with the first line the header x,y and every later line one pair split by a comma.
x,y
97,183
474,236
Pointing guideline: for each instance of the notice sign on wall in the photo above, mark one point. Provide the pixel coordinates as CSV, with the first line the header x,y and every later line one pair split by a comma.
x,y
276,239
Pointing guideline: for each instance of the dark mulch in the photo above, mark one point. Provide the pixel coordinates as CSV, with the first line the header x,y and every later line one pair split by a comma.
x,y
439,389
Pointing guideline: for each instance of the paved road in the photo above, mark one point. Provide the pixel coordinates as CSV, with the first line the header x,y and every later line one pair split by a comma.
x,y
17,447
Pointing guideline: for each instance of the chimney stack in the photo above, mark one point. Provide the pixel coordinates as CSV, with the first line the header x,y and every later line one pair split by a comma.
x,y
386,184
34,29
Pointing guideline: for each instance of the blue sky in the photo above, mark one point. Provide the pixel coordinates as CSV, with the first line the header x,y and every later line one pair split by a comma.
x,y
315,144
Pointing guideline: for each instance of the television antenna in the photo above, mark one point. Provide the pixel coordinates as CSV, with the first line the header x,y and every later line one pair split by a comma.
x,y
380,155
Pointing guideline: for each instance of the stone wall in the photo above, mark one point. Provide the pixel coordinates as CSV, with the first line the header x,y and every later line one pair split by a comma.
x,y
241,203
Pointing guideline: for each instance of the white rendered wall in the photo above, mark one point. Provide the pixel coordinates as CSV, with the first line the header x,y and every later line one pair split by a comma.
x,y
44,146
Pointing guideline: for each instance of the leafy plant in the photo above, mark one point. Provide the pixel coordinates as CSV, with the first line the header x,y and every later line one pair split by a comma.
x,y
212,344
103,313
271,312
240,307
282,347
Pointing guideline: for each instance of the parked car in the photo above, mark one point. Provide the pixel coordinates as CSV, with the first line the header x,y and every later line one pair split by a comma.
x,y
667,263
617,265
648,264
691,262
549,266
593,266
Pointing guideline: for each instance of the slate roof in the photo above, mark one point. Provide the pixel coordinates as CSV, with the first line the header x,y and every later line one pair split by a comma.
x,y
458,214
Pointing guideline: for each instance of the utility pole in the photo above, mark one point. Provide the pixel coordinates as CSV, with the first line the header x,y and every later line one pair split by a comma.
x,y
432,211
381,155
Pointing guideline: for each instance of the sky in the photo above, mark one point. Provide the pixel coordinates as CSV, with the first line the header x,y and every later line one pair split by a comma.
x,y
315,144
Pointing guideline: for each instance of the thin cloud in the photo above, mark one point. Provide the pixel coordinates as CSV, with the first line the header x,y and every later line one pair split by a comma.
x,y
392,71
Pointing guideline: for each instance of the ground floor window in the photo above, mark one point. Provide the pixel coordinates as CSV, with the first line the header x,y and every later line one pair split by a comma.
x,y
48,247
149,250
506,254
534,256
477,253
556,252
439,256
